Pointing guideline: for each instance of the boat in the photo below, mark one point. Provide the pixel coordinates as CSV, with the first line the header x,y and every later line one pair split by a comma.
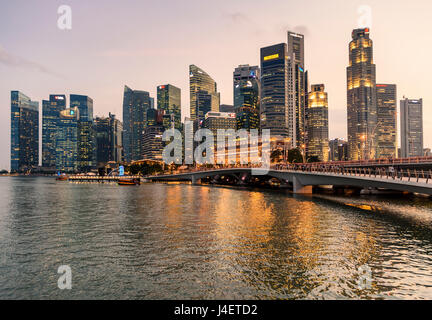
x,y
129,182
61,178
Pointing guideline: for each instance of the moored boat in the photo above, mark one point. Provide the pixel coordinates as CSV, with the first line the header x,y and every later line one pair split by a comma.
x,y
128,182
61,178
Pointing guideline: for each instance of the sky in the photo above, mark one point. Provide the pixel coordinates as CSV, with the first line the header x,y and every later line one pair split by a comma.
x,y
143,44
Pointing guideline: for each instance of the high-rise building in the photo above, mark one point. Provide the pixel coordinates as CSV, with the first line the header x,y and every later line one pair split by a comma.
x,y
297,88
86,133
318,131
202,87
361,97
247,96
68,140
219,120
386,121
411,114
135,106
226,108
50,114
169,100
153,144
338,150
24,132
274,92
109,140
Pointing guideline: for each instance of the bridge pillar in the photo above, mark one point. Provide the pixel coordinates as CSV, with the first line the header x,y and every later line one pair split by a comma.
x,y
299,188
195,180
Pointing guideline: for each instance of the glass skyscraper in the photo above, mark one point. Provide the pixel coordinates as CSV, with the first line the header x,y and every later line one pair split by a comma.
x,y
411,128
387,117
86,133
169,100
108,139
135,106
202,87
361,97
24,132
67,141
318,131
50,114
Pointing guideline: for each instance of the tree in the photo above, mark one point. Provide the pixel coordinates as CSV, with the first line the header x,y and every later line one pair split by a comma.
x,y
295,156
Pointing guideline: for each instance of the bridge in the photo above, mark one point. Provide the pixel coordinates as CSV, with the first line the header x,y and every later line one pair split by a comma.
x,y
303,178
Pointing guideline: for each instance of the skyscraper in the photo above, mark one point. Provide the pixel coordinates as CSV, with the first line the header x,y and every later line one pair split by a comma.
x,y
338,150
203,87
247,96
109,140
152,144
386,123
411,128
24,132
274,92
169,100
317,115
361,97
135,106
67,140
86,133
297,88
50,114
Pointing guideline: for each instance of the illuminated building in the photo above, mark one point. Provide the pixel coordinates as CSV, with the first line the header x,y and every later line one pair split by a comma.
x,y
247,96
338,150
411,112
50,114
361,97
297,88
386,123
135,106
274,91
318,131
200,85
153,145
67,140
169,100
108,140
219,120
24,132
86,139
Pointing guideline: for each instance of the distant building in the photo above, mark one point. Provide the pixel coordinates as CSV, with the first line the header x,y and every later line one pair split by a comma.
x,y
24,132
411,114
219,120
202,87
386,129
86,139
50,114
109,140
226,108
169,100
318,131
427,152
135,106
338,150
67,141
152,136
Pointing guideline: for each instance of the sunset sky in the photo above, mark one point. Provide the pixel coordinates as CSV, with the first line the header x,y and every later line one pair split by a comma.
x,y
143,44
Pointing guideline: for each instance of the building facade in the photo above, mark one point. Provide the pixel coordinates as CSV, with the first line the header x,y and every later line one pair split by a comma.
x,y
108,140
24,132
386,131
338,150
67,141
361,97
411,114
169,100
135,106
226,108
318,131
50,114
219,120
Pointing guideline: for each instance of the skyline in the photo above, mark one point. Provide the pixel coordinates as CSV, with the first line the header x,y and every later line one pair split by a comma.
x,y
36,71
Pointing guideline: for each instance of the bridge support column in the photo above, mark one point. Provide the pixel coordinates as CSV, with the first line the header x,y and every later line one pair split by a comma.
x,y
299,188
195,180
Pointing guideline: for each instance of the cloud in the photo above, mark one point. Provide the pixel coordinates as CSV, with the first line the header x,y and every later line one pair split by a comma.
x,y
14,61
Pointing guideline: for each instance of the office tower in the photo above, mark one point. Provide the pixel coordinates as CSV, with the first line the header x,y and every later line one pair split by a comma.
x,y
411,114
318,131
203,87
68,140
297,88
169,100
386,123
108,139
135,106
153,145
338,150
50,114
275,114
219,120
86,134
226,108
361,97
24,132
247,96
152,103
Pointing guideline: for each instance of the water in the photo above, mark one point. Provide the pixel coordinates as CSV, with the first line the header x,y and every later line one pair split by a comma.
x,y
160,241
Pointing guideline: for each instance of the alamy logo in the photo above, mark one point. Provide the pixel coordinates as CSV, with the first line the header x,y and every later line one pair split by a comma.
x,y
365,17
365,280
64,22
65,280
